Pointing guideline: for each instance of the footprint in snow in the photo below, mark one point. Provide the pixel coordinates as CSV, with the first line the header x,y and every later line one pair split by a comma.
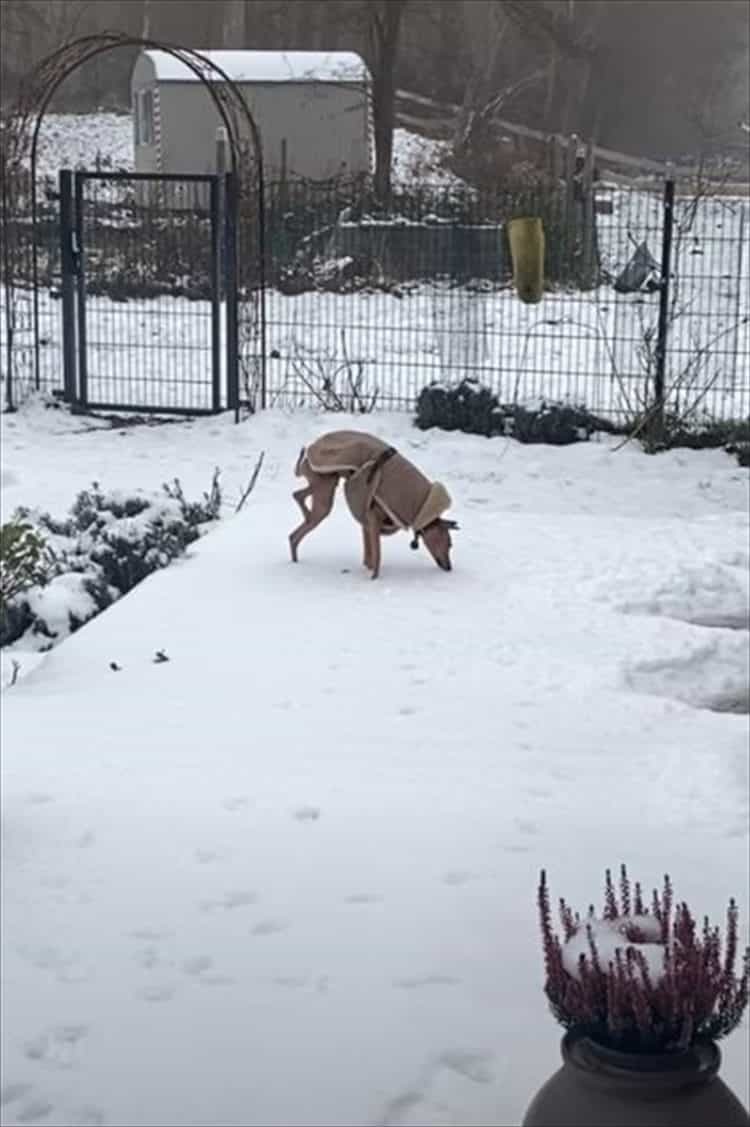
x,y
291,982
38,798
363,898
161,993
88,1116
408,710
307,813
239,802
215,980
474,1066
9,1093
34,1111
86,840
419,981
150,933
207,856
56,1048
239,898
459,877
149,958
197,965
269,927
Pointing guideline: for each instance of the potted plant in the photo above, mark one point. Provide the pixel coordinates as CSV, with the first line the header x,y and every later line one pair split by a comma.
x,y
644,994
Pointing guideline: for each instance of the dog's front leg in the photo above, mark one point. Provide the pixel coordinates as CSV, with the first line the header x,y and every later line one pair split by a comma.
x,y
366,554
372,525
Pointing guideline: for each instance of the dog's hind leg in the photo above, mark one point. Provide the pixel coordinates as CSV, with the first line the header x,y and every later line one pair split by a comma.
x,y
322,492
300,496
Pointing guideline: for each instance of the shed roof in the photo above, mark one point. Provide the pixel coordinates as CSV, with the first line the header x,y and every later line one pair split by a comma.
x,y
268,66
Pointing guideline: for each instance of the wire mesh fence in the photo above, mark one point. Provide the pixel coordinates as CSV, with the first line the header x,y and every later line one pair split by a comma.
x,y
366,307
362,307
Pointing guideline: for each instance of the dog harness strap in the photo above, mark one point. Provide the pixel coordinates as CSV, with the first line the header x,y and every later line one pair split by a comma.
x,y
380,461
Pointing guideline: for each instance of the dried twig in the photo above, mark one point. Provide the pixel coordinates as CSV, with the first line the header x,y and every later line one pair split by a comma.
x,y
251,483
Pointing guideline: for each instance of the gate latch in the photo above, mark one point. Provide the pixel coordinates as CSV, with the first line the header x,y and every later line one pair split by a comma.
x,y
75,253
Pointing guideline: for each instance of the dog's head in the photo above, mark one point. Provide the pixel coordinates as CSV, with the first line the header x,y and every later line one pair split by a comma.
x,y
437,541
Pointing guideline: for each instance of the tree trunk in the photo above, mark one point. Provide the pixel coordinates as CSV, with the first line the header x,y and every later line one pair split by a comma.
x,y
146,28
385,23
233,24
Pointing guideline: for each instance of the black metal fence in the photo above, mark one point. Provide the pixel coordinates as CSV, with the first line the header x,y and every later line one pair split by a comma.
x,y
362,307
367,307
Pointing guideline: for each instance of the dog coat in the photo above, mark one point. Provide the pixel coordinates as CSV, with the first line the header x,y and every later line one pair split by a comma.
x,y
375,471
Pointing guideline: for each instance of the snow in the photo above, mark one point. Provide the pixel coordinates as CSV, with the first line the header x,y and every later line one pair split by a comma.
x,y
68,140
268,66
99,141
611,936
421,160
289,875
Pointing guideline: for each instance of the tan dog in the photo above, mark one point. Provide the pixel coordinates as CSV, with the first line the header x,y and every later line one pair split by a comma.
x,y
385,492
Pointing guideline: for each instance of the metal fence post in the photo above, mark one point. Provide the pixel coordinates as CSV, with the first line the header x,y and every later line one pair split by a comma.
x,y
82,390
213,191
10,285
663,322
230,293
68,285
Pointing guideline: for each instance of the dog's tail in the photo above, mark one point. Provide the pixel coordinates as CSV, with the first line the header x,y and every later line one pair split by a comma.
x,y
298,465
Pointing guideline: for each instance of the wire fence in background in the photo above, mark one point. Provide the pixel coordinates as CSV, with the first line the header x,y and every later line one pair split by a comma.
x,y
367,308
363,307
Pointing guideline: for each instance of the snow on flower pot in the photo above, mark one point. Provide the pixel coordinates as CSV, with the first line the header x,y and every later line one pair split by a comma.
x,y
644,999
526,238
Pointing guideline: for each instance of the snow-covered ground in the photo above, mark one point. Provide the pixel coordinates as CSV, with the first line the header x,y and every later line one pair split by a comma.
x,y
85,140
105,140
289,875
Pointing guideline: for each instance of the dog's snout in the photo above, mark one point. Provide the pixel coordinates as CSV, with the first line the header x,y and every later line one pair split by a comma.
x,y
446,565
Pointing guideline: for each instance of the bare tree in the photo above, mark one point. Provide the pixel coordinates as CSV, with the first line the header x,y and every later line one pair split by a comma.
x,y
384,25
233,30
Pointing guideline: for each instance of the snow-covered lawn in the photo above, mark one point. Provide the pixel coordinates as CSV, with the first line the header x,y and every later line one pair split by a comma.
x,y
289,876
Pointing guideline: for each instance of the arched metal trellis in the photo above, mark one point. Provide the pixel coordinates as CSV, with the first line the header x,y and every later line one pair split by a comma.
x,y
19,141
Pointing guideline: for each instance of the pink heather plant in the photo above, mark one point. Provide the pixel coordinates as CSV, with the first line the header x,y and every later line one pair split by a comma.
x,y
642,979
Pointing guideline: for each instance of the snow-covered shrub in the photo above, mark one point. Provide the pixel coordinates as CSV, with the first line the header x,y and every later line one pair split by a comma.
x,y
557,424
466,406
472,408
107,544
641,978
24,559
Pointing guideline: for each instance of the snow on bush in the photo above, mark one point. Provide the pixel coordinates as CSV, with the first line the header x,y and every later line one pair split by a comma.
x,y
108,544
470,407
24,559
639,978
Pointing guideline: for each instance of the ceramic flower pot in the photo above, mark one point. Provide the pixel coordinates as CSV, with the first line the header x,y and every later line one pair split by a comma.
x,y
599,1087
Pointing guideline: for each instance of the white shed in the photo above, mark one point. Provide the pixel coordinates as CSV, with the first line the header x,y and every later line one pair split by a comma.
x,y
313,111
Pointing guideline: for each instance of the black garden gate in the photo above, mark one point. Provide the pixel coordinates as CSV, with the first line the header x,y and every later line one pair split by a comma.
x,y
149,292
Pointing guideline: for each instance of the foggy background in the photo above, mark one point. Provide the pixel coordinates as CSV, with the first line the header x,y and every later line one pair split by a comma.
x,y
660,78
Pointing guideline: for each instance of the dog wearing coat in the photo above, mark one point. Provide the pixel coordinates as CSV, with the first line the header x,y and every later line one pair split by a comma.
x,y
385,493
